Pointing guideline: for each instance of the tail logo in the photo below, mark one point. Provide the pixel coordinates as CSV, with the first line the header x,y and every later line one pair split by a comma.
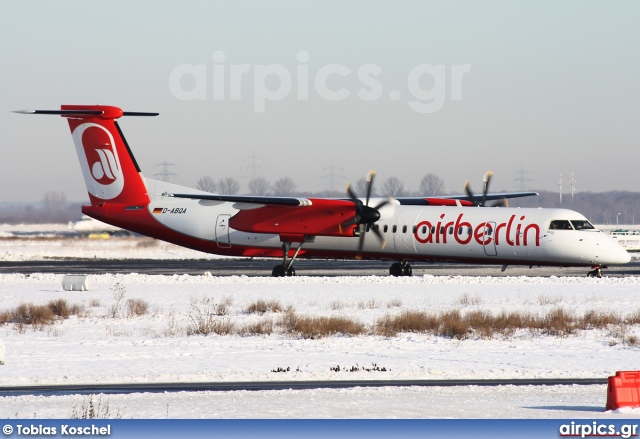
x,y
102,169
99,160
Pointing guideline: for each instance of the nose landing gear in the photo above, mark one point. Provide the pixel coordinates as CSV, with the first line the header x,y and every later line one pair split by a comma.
x,y
596,272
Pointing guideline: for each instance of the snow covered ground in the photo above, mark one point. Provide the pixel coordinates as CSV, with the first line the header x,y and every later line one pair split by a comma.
x,y
32,242
98,348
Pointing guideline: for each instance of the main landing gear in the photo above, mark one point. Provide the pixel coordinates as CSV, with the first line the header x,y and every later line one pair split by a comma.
x,y
286,268
400,269
282,271
596,272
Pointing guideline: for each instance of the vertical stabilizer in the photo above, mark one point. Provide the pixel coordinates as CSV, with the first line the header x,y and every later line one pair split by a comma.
x,y
108,166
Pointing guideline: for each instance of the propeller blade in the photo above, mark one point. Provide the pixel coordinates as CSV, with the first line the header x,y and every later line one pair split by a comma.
x,y
501,203
383,203
351,193
378,233
350,222
485,187
370,177
365,217
360,244
469,192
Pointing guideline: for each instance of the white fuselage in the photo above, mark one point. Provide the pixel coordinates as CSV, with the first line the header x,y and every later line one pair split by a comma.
x,y
448,233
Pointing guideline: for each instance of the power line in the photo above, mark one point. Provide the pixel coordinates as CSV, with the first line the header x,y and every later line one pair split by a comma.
x,y
165,174
521,178
254,168
334,176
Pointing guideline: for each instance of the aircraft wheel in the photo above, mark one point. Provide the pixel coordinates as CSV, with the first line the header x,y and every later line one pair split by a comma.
x,y
291,271
595,273
406,270
396,269
279,271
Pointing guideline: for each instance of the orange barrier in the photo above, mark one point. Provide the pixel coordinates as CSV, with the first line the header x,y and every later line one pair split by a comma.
x,y
623,390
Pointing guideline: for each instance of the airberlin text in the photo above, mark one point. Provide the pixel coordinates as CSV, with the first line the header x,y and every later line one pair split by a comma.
x,y
63,430
463,232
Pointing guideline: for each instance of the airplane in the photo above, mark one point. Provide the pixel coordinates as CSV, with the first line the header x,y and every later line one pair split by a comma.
x,y
464,229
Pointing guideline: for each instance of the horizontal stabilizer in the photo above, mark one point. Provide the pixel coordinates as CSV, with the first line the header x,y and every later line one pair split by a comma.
x,y
63,112
138,113
84,113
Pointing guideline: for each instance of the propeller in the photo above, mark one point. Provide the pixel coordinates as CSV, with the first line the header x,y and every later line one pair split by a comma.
x,y
485,189
366,215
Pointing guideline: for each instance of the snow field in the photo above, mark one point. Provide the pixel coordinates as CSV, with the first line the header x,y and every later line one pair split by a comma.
x,y
95,348
98,348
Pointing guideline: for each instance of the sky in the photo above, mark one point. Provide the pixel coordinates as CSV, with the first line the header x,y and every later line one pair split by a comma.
x,y
410,88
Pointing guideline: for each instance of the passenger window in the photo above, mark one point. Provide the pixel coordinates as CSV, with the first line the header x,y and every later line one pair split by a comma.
x,y
469,231
385,228
450,230
404,229
581,225
460,230
395,228
433,230
560,225
442,230
424,230
415,229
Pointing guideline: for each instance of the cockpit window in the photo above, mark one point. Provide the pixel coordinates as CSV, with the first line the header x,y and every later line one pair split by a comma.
x,y
581,225
560,225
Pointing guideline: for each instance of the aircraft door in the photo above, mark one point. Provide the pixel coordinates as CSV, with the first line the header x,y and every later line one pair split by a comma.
x,y
488,239
222,231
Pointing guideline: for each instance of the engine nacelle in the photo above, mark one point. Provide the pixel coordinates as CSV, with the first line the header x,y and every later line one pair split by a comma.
x,y
322,218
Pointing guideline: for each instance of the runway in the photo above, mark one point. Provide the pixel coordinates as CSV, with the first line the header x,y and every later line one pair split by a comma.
x,y
263,267
127,388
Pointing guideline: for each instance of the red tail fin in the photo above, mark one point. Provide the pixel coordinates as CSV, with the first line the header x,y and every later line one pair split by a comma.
x,y
110,170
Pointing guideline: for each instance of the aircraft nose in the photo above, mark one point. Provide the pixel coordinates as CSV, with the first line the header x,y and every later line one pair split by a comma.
x,y
616,254
624,256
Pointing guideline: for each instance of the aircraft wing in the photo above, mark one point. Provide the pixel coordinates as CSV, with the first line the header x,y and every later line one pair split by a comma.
x,y
476,198
246,199
490,196
250,200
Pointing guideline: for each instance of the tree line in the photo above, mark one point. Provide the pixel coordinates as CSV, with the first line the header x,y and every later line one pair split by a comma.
x,y
430,184
54,208
613,207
